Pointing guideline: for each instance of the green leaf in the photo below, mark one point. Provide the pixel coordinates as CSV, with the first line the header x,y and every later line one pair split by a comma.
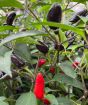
x,y
21,35
74,47
53,1
63,26
27,40
5,63
47,90
64,101
3,50
84,19
68,80
3,35
23,51
86,55
63,38
2,102
66,67
80,1
26,99
4,28
10,3
52,99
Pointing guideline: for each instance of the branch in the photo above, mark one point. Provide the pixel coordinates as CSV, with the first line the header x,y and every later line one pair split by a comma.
x,y
70,7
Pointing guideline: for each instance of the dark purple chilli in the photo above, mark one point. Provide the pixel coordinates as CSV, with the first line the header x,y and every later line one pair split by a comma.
x,y
10,18
59,47
54,15
42,47
76,17
17,61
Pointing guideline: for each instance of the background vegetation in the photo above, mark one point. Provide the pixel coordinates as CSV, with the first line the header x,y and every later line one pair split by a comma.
x,y
30,46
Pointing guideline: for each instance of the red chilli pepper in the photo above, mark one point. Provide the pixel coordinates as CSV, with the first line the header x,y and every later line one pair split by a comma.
x,y
41,62
75,64
39,86
52,70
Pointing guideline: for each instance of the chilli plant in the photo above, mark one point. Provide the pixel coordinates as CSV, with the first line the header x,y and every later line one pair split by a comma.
x,y
43,52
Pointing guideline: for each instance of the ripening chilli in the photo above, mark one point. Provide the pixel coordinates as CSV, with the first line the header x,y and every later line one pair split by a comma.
x,y
55,15
10,18
39,86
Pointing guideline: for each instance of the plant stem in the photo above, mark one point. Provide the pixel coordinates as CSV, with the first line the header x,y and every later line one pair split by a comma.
x,y
51,37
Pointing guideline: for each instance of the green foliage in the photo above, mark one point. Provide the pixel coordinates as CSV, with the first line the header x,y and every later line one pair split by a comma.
x,y
23,51
5,64
80,1
26,99
68,80
67,69
22,34
4,28
67,83
62,26
65,101
52,99
2,101
10,3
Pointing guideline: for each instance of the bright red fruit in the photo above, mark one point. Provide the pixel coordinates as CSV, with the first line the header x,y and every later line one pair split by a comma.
x,y
39,86
46,101
52,70
41,62
75,64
